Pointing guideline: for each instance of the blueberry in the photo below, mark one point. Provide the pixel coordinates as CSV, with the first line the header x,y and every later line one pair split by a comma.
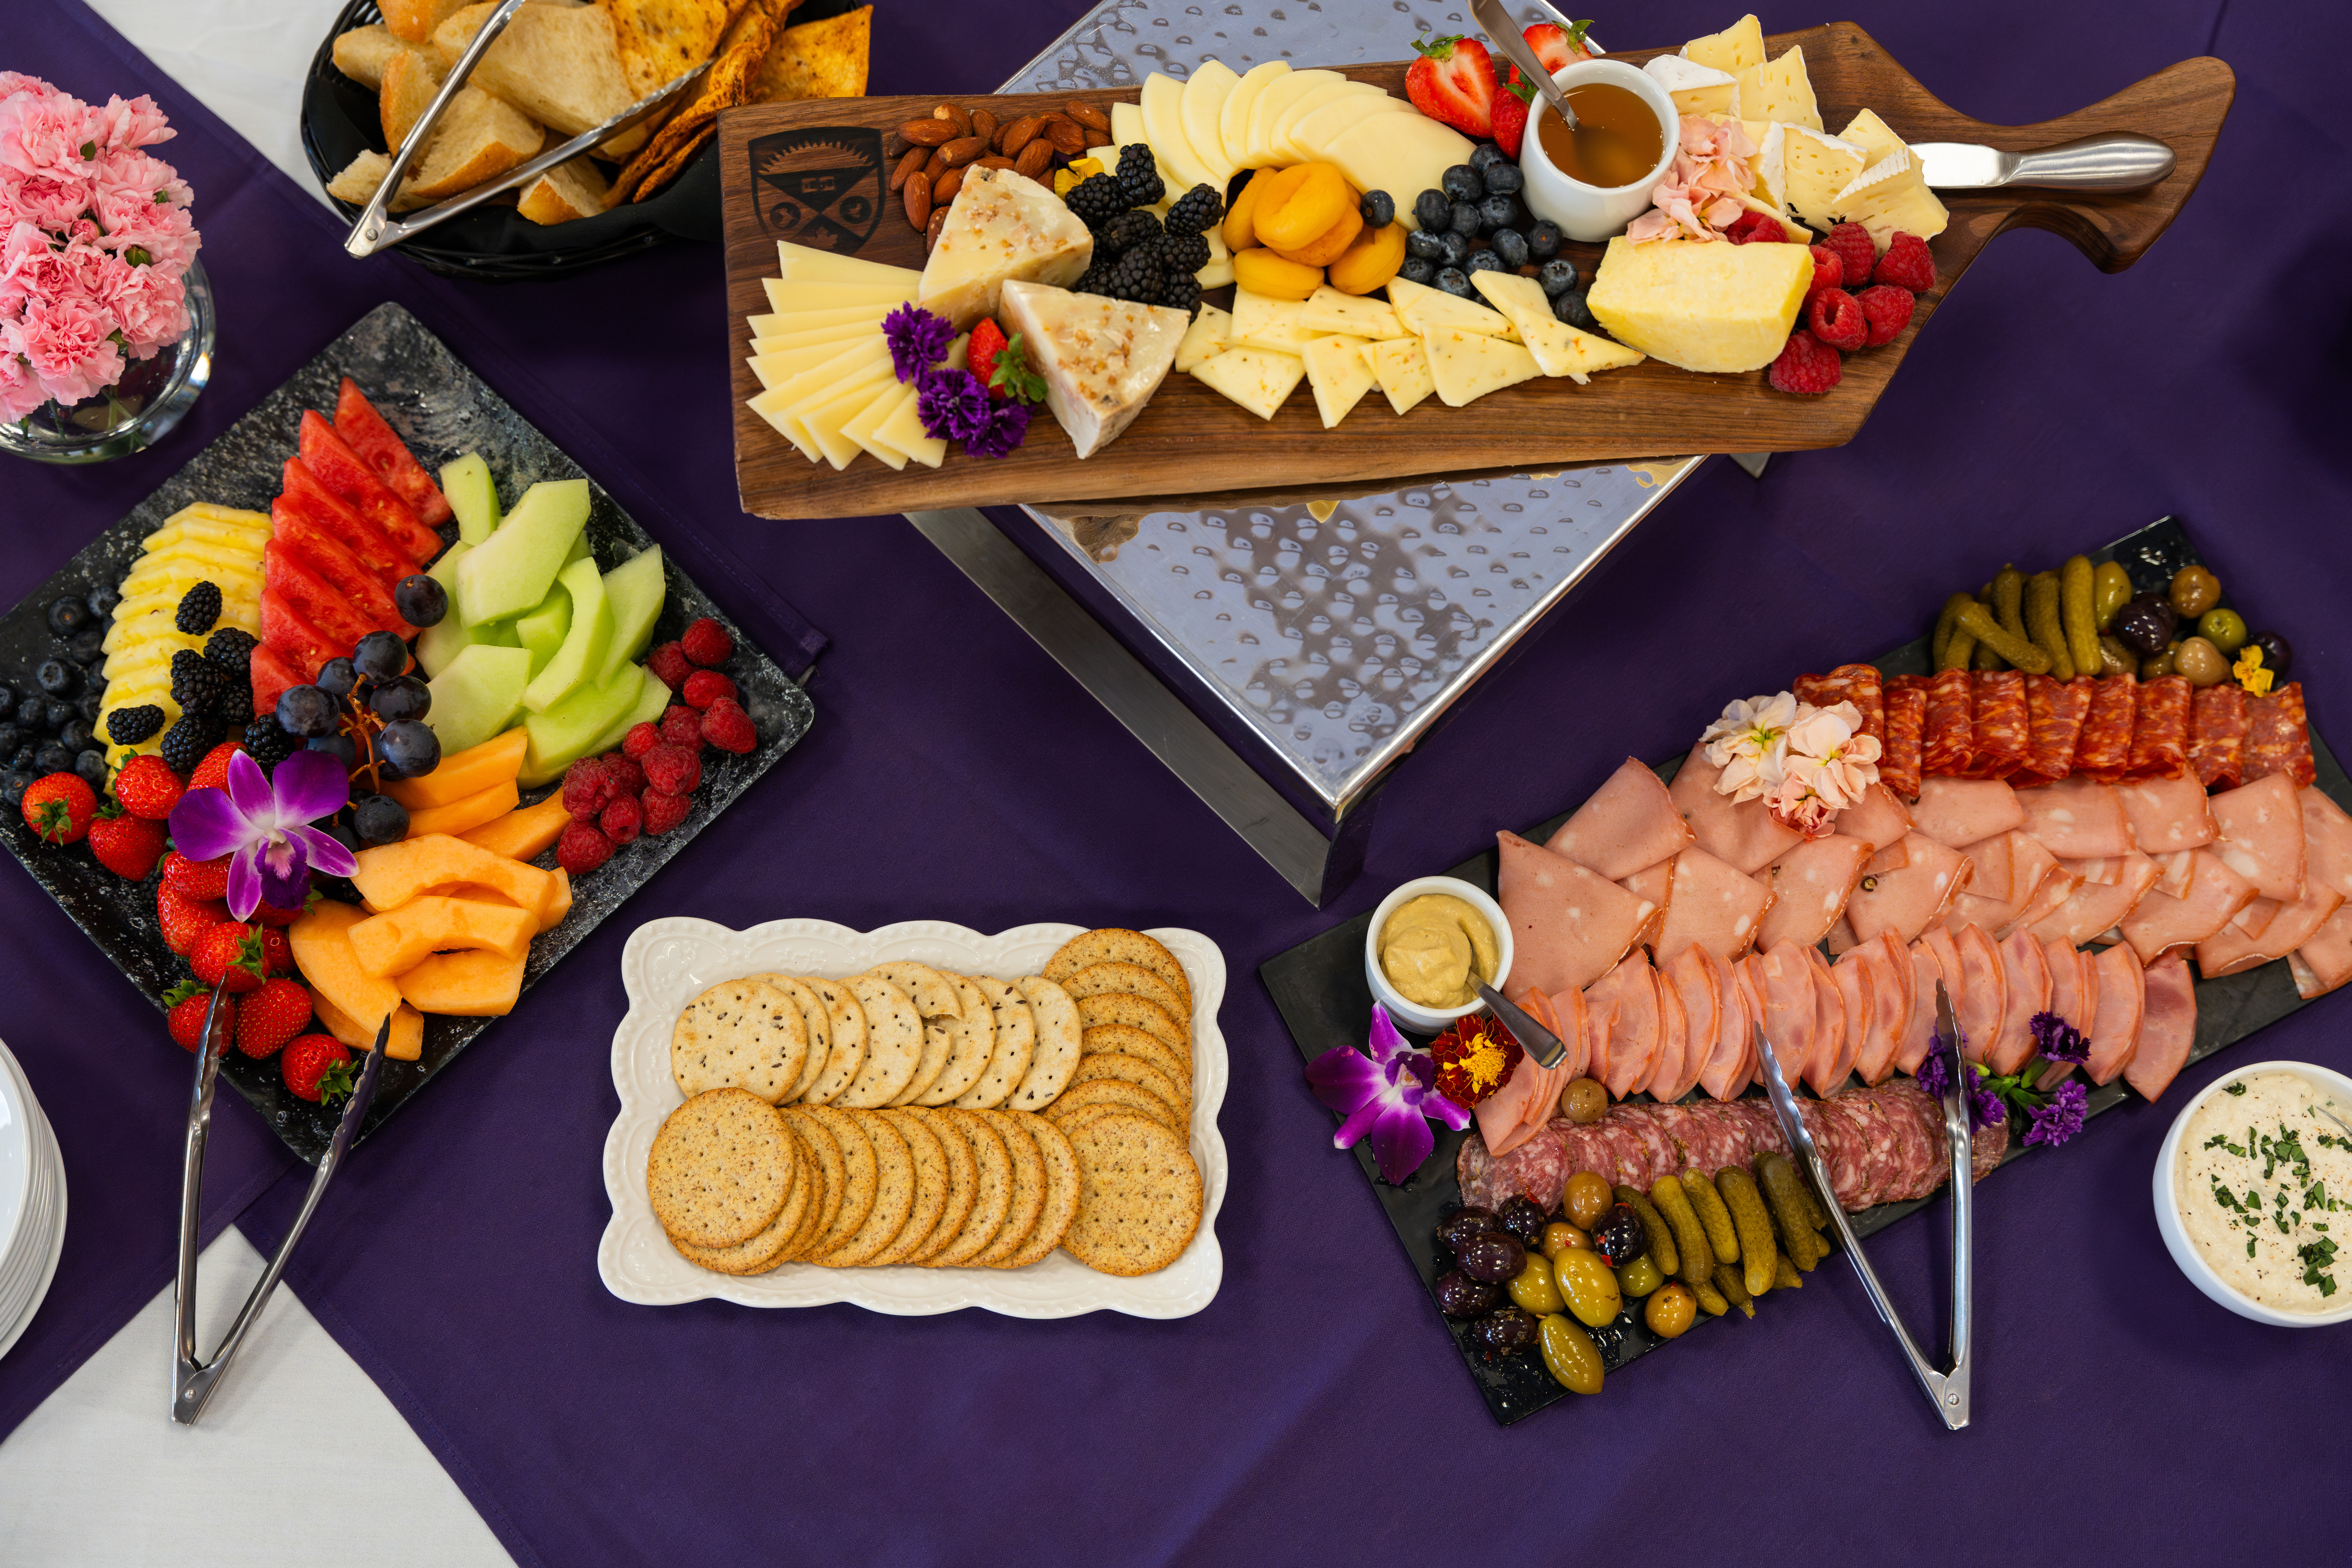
x,y
51,757
1417,270
1568,306
92,766
92,704
340,747
68,615
1543,240
1378,210
29,710
379,819
11,737
1557,277
337,676
1424,243
1498,212
1511,246
420,600
23,760
306,711
405,697
1454,247
381,654
56,714
1455,281
410,747
87,646
76,736
12,785
1462,183
1433,210
102,603
1484,156
1486,261
57,678
1503,179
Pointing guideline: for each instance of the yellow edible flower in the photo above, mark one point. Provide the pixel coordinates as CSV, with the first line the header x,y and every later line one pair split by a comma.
x,y
1066,180
2249,672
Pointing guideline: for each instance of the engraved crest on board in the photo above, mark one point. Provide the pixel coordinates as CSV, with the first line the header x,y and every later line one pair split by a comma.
x,y
821,187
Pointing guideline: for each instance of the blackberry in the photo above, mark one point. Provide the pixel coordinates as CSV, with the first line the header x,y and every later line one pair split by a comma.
x,y
269,744
1196,210
1181,292
1124,233
1137,276
185,742
1090,281
200,607
129,726
233,650
1097,199
1138,176
198,685
1185,253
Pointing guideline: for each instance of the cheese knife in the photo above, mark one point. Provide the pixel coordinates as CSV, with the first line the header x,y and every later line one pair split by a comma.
x,y
2118,161
1534,1038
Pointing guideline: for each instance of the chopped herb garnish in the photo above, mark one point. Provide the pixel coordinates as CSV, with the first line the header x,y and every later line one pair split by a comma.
x,y
2234,1088
2250,1246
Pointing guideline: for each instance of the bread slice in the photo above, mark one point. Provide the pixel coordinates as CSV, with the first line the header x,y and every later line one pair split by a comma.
x,y
364,52
558,64
576,188
480,137
416,19
409,83
358,182
818,59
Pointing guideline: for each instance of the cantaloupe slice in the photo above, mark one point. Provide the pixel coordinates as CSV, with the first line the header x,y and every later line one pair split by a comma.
x,y
407,1042
524,833
558,902
467,812
396,940
322,948
474,984
390,876
467,772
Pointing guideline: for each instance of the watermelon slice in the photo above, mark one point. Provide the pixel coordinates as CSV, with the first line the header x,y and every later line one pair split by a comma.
x,y
272,674
300,645
323,554
311,596
364,431
339,468
332,514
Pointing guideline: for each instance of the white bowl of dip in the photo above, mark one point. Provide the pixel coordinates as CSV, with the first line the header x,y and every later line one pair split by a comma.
x,y
1412,1014
2185,1213
1588,213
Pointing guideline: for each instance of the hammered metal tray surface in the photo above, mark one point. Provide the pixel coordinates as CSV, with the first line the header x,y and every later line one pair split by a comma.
x,y
441,409
1319,988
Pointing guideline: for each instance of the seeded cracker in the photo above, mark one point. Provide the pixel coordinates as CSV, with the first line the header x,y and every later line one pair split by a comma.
x,y
820,1031
825,1163
846,1032
1125,1095
1137,1071
1114,1007
1028,1185
1009,1058
930,1187
720,1167
1118,1039
993,1199
1060,1043
894,1195
972,1041
1139,1196
765,1251
859,1179
739,1034
893,1043
1130,979
1115,944
963,1183
1061,1162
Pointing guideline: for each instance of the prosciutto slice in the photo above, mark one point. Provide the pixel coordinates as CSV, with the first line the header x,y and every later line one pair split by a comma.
x,y
2162,921
1569,925
2266,932
2166,814
1960,811
2077,818
1631,989
2097,906
1693,978
1745,834
2168,1027
2115,1027
2260,835
2025,977
1984,999
1630,824
1877,817
1811,885
1908,901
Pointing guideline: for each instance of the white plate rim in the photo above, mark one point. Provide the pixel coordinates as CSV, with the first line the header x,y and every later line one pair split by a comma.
x,y
22,1149
45,1145
667,962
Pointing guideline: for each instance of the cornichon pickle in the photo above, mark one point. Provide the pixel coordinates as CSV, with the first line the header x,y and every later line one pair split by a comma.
x,y
2008,601
1957,646
2111,590
2043,624
1663,1251
1942,636
1746,1205
1569,1355
1791,1213
1991,634
1713,1300
2077,614
1784,1274
1588,1286
1722,1235
1735,1290
1533,1288
1698,1257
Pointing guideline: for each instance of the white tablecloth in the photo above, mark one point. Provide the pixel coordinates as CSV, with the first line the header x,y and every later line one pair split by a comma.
x,y
299,1460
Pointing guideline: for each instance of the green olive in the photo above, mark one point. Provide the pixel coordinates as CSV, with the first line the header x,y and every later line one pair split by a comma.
x,y
1584,1101
1569,1355
2225,629
2164,663
1533,1289
2195,591
2201,662
1639,1278
2111,590
1671,1311
1586,1199
1588,1287
2114,659
1560,1236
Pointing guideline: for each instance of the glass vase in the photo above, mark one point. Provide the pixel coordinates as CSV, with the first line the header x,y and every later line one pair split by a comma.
x,y
154,395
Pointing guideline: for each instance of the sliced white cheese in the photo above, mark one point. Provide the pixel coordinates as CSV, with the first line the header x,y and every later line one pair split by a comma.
x,y
1257,379
793,299
800,264
824,422
904,428
1220,269
1210,335
1403,154
861,428
1695,88
1402,371
1126,124
1001,227
1737,46
1891,197
779,405
1233,118
776,324
1320,126
785,341
1205,92
1558,348
1286,141
1163,127
772,368
1423,309
1806,169
1779,90
1330,310
1340,376
1467,366
1263,323
1274,102
1101,359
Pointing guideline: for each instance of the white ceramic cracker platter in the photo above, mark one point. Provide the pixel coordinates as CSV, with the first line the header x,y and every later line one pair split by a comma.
x,y
668,963
32,1202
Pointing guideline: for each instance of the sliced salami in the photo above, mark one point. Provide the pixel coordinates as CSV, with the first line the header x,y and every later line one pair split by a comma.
x,y
2159,748
1857,683
1947,735
2105,749
2278,736
1905,701
2054,711
1999,724
2217,735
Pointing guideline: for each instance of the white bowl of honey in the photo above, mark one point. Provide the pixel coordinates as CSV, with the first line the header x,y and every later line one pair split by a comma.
x,y
1594,180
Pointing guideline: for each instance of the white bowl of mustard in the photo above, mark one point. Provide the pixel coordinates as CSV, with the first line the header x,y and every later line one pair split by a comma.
x,y
1411,962
2205,1235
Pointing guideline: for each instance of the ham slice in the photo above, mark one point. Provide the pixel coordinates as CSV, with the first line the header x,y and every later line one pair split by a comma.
x,y
2162,921
1829,1025
1791,1008
1895,991
2166,814
1960,811
1725,1073
1713,905
1907,901
1877,817
2074,996
2026,976
1693,978
2115,1026
2324,962
1983,1001
1745,834
1918,1034
1857,988
1569,925
2096,906
1656,888
2266,930
1810,885
1632,990
2077,818
2168,1027
1630,824
2260,835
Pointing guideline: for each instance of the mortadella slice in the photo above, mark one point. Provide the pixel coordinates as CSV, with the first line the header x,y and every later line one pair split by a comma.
x,y
1984,999
1842,938
1828,1025
2009,867
2162,921
1957,813
2168,1027
1632,987
1576,1047
1810,885
2260,835
2074,996
1920,1030
1569,925
1544,1102
2324,962
1791,1008
1908,901
1502,1115
1693,977
1713,905
2166,814
1656,888
1892,989
2077,818
1751,979
2266,932
1674,1040
2025,974
1630,824
2048,899
2114,1027
1877,817
2097,906
1725,1072
1858,989
1743,832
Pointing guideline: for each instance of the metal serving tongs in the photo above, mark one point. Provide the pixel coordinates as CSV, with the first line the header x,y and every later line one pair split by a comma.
x,y
193,1381
1946,1391
376,230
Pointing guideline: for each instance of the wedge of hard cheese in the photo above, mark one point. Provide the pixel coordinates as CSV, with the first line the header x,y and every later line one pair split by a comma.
x,y
1101,359
1001,228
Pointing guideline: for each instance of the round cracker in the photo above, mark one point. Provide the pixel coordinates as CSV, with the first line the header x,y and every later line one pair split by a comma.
x,y
930,1187
893,1043
1061,1163
845,1033
934,996
1116,944
859,1177
992,1191
720,1168
1013,1047
894,1195
820,1031
938,1046
1135,1070
825,1162
971,1040
1110,1091
1118,1039
768,1247
1139,1195
810,1181
1060,1043
1134,1013
1028,1186
962,1180
1131,980
738,1034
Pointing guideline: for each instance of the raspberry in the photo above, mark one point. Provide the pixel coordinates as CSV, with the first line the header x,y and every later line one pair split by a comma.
x,y
682,727
641,739
1854,251
1889,310
725,726
707,643
664,812
622,819
583,848
1750,227
587,789
705,687
670,665
1837,319
1907,265
672,770
1829,271
1806,364
627,775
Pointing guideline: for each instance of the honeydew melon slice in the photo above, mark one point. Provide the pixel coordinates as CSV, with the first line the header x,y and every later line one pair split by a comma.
x,y
635,590
585,641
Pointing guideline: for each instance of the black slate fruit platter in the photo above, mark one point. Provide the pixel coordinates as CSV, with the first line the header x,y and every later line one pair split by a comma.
x,y
441,410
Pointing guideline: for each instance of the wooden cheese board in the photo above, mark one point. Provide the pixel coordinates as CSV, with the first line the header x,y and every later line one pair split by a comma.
x,y
815,172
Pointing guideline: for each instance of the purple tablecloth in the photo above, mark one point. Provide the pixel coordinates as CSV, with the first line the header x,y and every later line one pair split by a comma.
x,y
1313,1412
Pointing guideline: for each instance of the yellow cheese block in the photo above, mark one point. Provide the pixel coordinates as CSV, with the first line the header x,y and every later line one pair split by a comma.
x,y
1423,309
1260,380
1395,153
1260,322
1736,48
1403,372
524,833
1703,306
1891,197
1339,374
1320,126
1873,135
1330,310
407,1041
785,341
1211,334
800,264
904,429
824,423
1467,366
1559,349
1163,126
1779,90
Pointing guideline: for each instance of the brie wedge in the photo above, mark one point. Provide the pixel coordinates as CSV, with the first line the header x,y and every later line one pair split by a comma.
x,y
1695,88
1892,196
1002,228
1101,359
1779,90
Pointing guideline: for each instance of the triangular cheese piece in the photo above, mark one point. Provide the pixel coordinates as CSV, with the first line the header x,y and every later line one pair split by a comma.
x,y
1891,197
1558,348
1736,48
1423,309
1211,334
1001,226
1467,366
1695,88
1260,380
1807,169
1101,359
1330,310
1260,322
800,264
1403,372
1338,371
903,428
1870,133
1779,90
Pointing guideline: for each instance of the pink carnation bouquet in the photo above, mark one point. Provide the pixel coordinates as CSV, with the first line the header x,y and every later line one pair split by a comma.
x,y
96,236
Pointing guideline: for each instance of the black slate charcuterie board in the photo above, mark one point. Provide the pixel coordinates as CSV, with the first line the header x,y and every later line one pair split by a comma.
x,y
1319,988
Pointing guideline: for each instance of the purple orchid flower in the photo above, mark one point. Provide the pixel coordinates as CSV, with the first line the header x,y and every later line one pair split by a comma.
x,y
264,820
1390,1095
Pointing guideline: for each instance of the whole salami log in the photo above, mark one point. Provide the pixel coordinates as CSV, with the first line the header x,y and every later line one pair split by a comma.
x,y
1905,701
2105,749
1947,735
2217,735
1857,683
2054,710
2159,748
2278,737
1999,723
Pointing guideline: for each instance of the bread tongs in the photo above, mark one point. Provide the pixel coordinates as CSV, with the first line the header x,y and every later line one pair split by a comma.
x,y
1946,1391
376,230
193,1381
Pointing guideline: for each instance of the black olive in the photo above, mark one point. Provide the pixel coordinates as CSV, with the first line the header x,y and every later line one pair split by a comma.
x,y
2278,654
2146,625
1524,1219
1459,1296
1620,1238
1507,1330
1457,1228
1493,1257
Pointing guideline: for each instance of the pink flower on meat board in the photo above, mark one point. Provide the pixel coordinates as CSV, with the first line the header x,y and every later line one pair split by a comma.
x,y
43,134
70,343
135,124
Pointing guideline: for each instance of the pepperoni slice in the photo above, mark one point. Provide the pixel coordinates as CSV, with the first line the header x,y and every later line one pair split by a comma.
x,y
2278,736
2000,723
1857,683
2054,711
1948,738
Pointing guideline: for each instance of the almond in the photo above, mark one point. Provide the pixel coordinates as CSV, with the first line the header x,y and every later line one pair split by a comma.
x,y
962,151
1035,158
1018,134
935,165
949,185
1067,135
918,194
908,166
1088,115
928,132
954,115
993,162
931,234
984,126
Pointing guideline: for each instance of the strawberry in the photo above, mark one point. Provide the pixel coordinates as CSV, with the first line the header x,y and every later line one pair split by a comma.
x,y
1452,80
271,1017
148,787
1511,114
1557,48
317,1068
59,808
229,956
212,772
185,919
186,1017
980,354
277,952
126,846
269,914
199,879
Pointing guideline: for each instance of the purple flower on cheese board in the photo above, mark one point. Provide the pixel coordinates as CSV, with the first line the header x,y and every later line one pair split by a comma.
x,y
1008,425
953,405
1389,1096
917,339
2062,1118
263,822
